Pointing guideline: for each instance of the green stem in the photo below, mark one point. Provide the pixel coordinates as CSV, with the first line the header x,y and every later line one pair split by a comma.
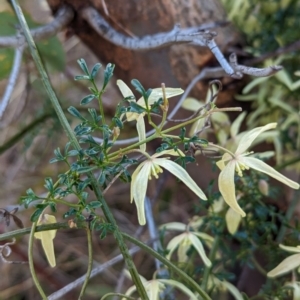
x,y
211,257
165,261
65,202
31,264
66,126
90,262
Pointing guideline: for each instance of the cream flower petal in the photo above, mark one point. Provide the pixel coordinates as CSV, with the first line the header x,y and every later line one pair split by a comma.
x,y
261,166
133,179
47,237
154,288
233,290
139,185
183,247
174,226
179,286
140,126
200,249
290,249
286,265
250,136
227,187
173,244
233,220
181,174
204,236
125,90
158,93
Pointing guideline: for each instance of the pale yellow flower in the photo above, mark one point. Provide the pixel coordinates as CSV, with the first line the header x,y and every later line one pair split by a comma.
x,y
152,167
223,286
184,241
155,287
240,161
139,118
47,237
290,263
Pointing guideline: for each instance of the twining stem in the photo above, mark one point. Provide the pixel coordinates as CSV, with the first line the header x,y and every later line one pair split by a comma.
x,y
66,126
31,264
90,262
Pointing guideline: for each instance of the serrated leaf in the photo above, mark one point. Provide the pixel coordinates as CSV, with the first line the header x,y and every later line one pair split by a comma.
x,y
87,99
95,70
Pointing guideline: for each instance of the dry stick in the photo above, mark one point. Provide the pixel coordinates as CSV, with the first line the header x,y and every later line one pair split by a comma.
x,y
66,289
194,35
12,79
62,18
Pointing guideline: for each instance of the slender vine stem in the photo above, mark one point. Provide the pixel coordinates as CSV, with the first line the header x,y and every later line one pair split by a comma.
x,y
72,138
31,264
90,262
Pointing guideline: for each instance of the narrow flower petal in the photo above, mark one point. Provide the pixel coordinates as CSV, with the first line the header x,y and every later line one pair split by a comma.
x,y
290,249
261,166
227,187
181,174
286,265
183,248
248,138
200,249
233,220
140,126
139,185
233,290
46,238
158,93
125,90
179,286
236,124
174,243
154,288
174,226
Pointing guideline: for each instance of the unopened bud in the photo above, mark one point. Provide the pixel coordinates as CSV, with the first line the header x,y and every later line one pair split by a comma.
x,y
263,187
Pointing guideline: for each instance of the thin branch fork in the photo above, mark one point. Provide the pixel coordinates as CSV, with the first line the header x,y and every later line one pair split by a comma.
x,y
63,17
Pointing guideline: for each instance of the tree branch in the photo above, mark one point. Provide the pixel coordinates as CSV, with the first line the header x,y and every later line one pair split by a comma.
x,y
194,35
62,18
12,79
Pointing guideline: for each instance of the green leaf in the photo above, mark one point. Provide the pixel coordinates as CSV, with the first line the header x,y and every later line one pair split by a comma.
x,y
81,170
81,77
83,66
94,204
182,133
95,70
74,112
134,107
49,184
108,73
34,217
87,99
